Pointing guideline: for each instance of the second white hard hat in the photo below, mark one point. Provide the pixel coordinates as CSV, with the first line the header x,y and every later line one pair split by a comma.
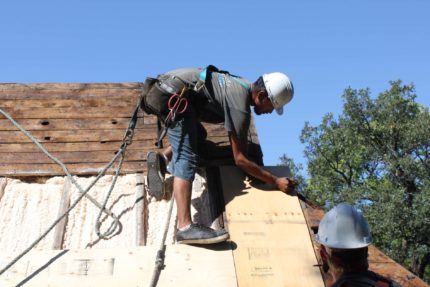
x,y
343,227
280,90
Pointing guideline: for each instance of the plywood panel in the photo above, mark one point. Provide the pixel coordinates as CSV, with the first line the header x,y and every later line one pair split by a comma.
x,y
273,242
184,266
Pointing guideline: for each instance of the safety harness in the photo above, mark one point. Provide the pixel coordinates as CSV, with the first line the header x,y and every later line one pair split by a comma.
x,y
167,97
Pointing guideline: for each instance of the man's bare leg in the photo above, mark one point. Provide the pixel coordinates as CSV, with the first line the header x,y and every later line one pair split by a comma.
x,y
182,190
188,232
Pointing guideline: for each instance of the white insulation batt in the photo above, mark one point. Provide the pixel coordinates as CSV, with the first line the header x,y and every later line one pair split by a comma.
x,y
27,210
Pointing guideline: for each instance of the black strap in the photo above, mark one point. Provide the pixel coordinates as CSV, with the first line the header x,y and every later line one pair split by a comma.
x,y
162,129
132,124
160,136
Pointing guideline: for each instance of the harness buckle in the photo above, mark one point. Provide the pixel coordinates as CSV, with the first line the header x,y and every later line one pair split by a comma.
x,y
199,86
128,138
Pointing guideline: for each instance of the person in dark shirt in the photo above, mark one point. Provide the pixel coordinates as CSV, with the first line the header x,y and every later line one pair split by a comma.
x,y
344,236
220,98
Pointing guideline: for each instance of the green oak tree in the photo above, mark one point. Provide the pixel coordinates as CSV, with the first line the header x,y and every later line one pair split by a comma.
x,y
295,170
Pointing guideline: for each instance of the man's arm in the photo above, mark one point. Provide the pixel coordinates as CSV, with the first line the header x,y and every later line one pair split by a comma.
x,y
241,160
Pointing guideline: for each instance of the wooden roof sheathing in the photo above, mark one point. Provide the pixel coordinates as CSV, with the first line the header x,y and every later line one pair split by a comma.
x,y
184,266
268,227
83,125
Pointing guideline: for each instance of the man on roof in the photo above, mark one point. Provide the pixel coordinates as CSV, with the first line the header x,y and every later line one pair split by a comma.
x,y
193,96
344,236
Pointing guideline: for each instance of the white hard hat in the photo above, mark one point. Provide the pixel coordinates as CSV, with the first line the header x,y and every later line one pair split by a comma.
x,y
280,90
343,227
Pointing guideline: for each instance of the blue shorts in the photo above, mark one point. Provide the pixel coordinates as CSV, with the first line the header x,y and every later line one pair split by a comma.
x,y
185,137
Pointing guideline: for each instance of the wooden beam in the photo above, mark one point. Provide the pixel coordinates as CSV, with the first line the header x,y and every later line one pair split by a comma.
x,y
70,157
69,91
3,183
216,203
112,102
60,229
76,146
140,210
68,113
93,135
60,124
25,169
74,136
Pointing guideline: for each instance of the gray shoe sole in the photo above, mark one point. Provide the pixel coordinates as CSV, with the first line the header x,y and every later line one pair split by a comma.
x,y
155,176
212,240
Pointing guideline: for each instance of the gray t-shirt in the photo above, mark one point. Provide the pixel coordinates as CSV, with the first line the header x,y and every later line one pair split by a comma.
x,y
233,97
230,97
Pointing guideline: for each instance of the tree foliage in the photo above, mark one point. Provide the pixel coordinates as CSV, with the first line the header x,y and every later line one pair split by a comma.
x,y
295,170
376,155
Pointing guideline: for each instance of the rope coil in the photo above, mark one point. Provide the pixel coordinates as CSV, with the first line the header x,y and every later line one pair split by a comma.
x,y
116,225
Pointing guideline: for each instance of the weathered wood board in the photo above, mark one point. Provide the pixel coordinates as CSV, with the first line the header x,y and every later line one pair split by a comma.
x,y
83,125
184,266
268,227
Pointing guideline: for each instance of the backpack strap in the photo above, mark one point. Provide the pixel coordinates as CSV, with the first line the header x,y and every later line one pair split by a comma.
x,y
203,81
212,68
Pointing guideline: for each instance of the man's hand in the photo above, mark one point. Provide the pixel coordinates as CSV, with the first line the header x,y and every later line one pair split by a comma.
x,y
284,184
287,185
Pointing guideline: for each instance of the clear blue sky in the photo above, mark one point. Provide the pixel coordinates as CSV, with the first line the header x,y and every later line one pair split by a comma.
x,y
324,46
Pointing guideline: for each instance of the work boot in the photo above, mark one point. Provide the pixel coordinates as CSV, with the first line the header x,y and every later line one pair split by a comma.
x,y
156,165
200,234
